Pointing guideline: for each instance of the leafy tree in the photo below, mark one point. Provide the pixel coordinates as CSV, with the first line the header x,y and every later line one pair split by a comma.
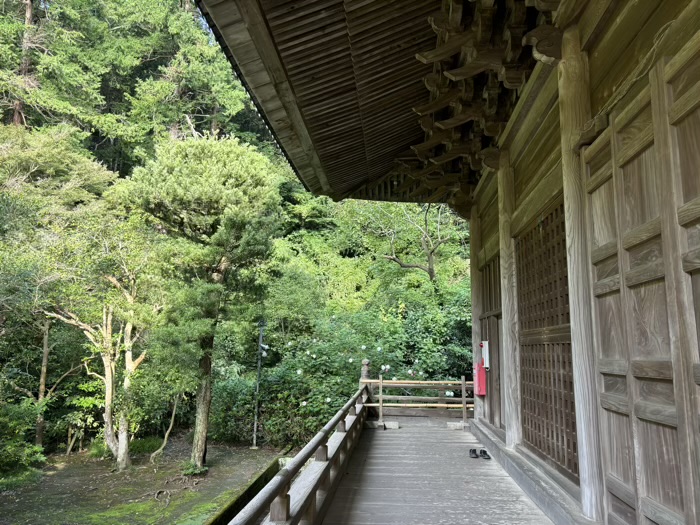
x,y
220,197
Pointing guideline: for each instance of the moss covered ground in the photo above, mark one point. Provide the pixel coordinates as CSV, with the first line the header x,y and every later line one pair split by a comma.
x,y
79,490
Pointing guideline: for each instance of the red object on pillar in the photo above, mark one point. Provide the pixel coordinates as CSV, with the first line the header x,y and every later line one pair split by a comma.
x,y
480,379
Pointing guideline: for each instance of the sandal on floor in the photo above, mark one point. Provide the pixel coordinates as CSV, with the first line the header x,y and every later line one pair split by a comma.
x,y
484,454
473,454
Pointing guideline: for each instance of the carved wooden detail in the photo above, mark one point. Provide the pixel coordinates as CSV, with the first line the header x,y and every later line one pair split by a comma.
x,y
546,43
484,53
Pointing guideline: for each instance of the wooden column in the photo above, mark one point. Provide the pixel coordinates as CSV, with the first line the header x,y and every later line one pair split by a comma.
x,y
574,113
509,304
679,290
477,297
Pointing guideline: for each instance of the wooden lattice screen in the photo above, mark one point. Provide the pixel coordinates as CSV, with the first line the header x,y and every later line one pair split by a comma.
x,y
548,414
490,330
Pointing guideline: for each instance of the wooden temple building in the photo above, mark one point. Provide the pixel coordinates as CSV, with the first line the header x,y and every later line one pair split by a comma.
x,y
568,133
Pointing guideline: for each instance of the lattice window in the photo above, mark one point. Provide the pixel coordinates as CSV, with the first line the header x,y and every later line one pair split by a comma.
x,y
542,274
491,275
547,388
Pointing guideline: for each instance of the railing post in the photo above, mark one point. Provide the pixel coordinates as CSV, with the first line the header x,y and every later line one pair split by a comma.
x,y
310,512
381,399
322,452
464,401
341,426
364,376
279,509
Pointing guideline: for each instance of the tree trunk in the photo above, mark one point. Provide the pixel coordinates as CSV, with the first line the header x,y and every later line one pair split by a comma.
x,y
123,460
18,117
199,444
110,438
46,349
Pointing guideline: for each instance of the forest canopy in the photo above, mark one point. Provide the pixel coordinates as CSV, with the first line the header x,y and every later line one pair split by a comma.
x,y
150,228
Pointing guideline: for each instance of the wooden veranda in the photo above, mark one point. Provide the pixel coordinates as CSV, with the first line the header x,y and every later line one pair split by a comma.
x,y
365,469
567,132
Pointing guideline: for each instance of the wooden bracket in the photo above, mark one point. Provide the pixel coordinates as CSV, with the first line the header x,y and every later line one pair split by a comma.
x,y
592,130
546,44
490,157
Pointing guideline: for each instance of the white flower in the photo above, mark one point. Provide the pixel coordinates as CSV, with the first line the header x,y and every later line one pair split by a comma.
x,y
332,316
410,372
379,349
420,373
303,403
383,367
449,393
299,372
313,355
289,343
328,400
308,352
394,378
388,367
364,347
314,340
350,360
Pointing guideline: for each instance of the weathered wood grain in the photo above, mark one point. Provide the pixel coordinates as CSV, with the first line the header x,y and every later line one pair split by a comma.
x,y
613,366
680,305
689,212
614,402
655,369
401,477
509,303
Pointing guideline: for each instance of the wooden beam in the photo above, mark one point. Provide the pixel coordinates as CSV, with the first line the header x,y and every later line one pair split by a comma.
x,y
437,138
452,154
439,103
510,343
451,47
466,115
574,113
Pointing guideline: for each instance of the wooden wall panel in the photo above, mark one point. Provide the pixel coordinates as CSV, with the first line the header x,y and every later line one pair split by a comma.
x,y
643,220
688,132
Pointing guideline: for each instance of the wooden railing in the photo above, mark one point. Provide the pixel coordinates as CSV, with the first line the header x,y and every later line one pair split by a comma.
x,y
411,401
302,495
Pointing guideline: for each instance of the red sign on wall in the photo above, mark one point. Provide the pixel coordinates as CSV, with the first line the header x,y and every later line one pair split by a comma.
x,y
480,379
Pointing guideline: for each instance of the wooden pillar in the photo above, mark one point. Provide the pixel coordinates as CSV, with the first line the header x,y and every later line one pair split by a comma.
x,y
477,297
574,113
509,304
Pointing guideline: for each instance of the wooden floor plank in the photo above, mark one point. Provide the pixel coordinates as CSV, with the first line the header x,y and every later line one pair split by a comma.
x,y
422,474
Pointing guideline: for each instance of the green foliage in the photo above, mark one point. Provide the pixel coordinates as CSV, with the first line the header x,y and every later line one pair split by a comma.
x,y
145,445
16,421
144,163
99,450
16,479
190,469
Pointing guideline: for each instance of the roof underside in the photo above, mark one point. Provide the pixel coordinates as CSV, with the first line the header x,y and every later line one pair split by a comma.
x,y
379,99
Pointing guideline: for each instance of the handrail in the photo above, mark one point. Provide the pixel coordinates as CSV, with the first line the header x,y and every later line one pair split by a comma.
x,y
421,401
276,493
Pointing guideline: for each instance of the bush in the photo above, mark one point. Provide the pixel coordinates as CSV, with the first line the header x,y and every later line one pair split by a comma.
x,y
99,449
17,421
145,445
232,410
